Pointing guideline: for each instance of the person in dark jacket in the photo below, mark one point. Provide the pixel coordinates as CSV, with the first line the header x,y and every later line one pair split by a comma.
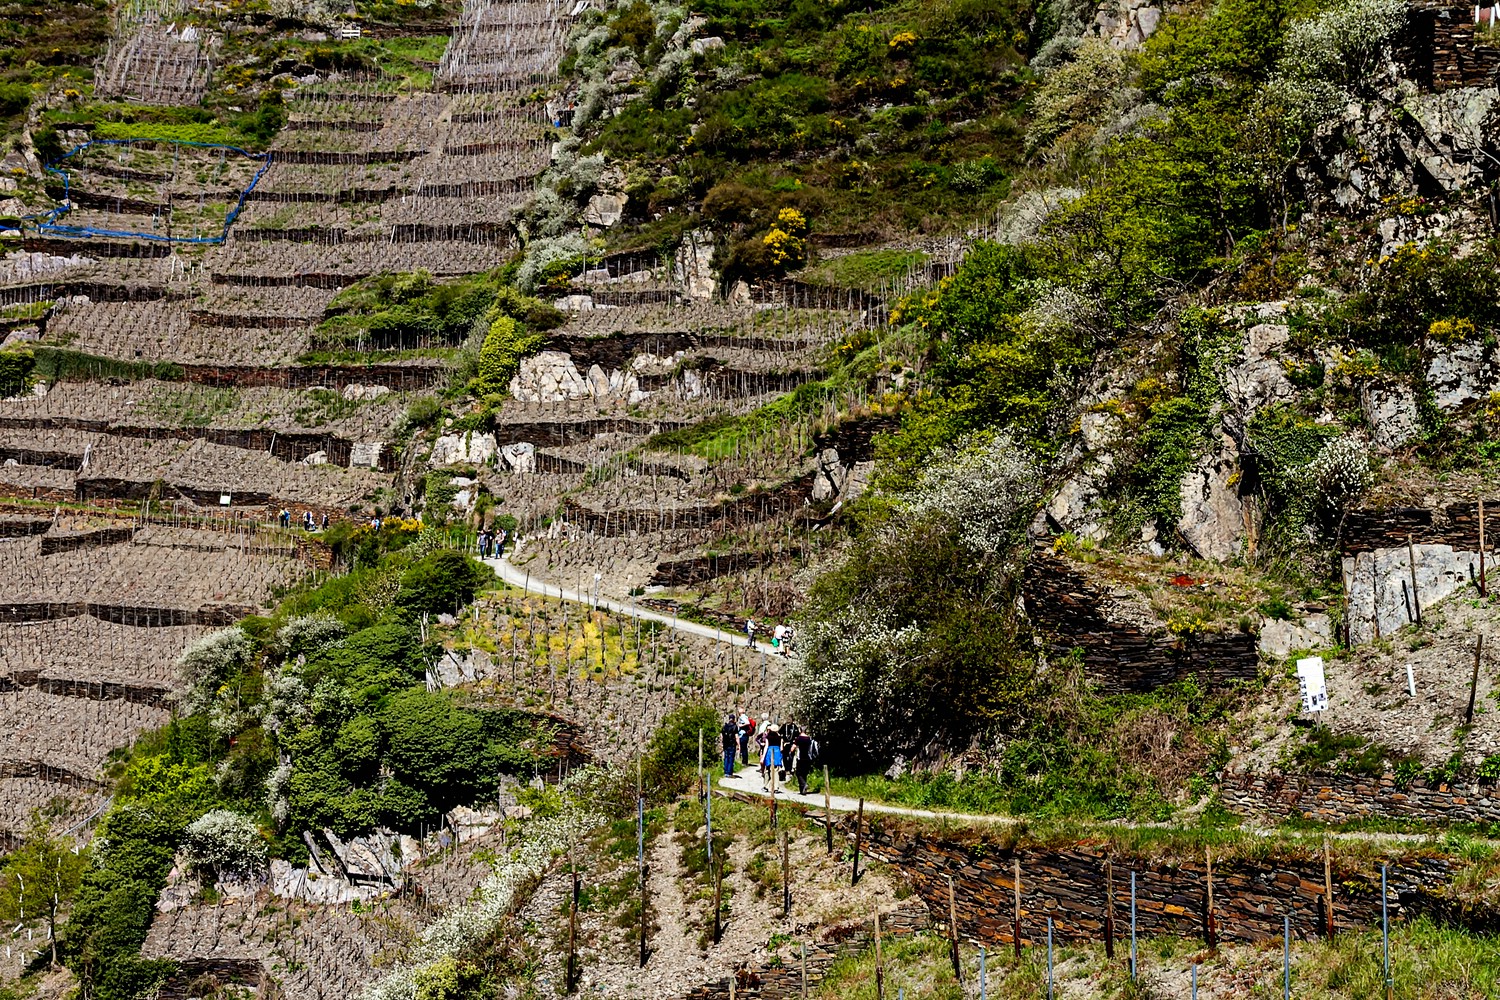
x,y
729,743
802,760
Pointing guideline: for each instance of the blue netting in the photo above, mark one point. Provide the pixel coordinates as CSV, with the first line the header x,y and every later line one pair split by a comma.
x,y
47,222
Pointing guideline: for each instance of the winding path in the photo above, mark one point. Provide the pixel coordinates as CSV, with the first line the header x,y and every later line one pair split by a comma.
x,y
518,577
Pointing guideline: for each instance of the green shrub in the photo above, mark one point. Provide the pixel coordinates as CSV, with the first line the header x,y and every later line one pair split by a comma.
x,y
505,346
16,369
441,582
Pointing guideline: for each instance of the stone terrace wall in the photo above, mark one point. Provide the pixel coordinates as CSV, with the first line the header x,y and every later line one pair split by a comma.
x,y
1343,797
1457,525
1120,657
1440,48
1250,897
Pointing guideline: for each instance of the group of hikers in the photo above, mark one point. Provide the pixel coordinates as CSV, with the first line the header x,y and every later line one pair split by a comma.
x,y
284,516
491,544
781,636
778,750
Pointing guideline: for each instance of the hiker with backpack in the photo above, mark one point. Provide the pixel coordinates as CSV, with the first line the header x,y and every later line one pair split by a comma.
x,y
805,748
729,741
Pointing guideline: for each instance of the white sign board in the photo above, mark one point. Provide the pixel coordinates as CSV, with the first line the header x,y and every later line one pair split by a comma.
x,y
1314,686
223,499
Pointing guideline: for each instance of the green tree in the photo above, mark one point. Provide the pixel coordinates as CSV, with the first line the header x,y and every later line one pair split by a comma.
x,y
441,582
40,879
505,346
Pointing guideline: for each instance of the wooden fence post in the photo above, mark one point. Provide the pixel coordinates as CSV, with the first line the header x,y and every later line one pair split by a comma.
x,y
1474,679
1411,562
786,877
879,959
1210,929
859,834
1109,908
958,973
827,810
1015,927
1328,887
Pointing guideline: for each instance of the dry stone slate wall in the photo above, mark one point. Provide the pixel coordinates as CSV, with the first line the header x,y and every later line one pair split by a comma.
x,y
1069,885
1123,657
1339,798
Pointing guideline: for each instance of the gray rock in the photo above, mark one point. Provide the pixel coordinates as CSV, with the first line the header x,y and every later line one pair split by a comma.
x,y
1378,584
828,480
467,448
599,384
316,458
1392,415
709,44
693,265
549,377
1280,638
520,457
605,210
365,454
1213,517
1465,373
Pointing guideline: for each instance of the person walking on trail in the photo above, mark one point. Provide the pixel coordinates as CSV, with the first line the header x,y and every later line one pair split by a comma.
x,y
749,631
729,741
777,635
747,729
802,760
771,759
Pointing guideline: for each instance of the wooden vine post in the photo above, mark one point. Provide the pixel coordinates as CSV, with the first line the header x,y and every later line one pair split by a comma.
x,y
879,959
786,877
1474,679
1109,908
1015,927
1483,584
958,973
1328,888
1411,562
718,876
859,833
1210,929
827,810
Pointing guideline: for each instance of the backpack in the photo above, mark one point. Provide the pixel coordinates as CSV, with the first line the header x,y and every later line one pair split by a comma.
x,y
813,750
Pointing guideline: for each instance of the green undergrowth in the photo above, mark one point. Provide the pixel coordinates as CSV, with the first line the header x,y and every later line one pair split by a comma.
x,y
58,364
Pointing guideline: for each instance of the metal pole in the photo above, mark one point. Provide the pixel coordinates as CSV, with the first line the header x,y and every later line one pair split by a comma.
x,y
1286,956
1195,981
1385,929
1132,927
981,972
1049,958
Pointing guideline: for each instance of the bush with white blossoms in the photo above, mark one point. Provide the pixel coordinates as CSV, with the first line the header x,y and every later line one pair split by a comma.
x,y
206,664
310,634
987,489
540,844
224,844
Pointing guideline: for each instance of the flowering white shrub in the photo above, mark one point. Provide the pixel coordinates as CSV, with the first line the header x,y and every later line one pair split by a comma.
x,y
1345,45
542,841
545,252
207,663
225,844
987,489
310,634
1341,471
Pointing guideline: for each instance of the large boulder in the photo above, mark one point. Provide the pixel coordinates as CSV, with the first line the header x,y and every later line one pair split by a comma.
x,y
1466,373
1213,516
1378,585
549,377
828,479
1392,414
520,457
464,449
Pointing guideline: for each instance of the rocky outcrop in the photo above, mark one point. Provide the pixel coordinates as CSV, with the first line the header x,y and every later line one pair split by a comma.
x,y
1379,585
1126,24
1213,515
552,377
464,449
1465,373
1391,412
